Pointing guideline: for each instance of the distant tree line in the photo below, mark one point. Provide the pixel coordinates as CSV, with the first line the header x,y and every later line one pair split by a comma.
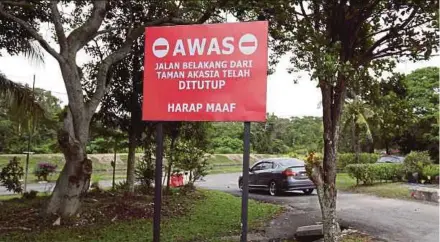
x,y
399,114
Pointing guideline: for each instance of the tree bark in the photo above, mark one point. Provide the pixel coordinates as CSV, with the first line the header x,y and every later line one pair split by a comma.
x,y
324,175
387,147
170,161
135,120
357,143
131,160
74,180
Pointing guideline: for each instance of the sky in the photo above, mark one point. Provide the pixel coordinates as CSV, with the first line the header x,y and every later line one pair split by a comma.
x,y
284,97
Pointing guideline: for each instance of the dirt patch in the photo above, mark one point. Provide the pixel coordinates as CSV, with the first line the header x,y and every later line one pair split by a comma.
x,y
99,207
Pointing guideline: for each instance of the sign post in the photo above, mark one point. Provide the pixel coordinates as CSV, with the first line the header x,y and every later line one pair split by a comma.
x,y
245,189
209,72
158,182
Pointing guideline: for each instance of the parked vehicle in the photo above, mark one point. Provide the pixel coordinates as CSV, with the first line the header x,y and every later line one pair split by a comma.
x,y
277,175
391,159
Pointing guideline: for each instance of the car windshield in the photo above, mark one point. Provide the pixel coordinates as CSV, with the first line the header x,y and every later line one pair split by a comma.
x,y
290,162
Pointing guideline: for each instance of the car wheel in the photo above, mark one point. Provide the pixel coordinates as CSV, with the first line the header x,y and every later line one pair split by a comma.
x,y
273,188
240,185
308,191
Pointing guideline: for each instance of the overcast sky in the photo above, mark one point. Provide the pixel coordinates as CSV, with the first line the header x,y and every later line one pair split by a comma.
x,y
284,98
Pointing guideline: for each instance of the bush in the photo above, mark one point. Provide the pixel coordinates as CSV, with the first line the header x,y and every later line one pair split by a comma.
x,y
430,171
145,171
11,174
44,169
416,161
350,158
30,195
370,173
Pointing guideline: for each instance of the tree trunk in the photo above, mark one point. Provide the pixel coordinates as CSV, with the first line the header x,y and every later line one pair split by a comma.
x,y
170,161
74,180
135,120
131,160
357,143
327,195
324,174
327,201
387,147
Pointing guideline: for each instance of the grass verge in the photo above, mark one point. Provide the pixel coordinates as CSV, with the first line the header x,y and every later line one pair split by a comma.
x,y
214,216
389,190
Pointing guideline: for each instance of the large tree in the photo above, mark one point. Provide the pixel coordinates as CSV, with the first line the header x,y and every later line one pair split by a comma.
x,y
73,31
342,43
422,96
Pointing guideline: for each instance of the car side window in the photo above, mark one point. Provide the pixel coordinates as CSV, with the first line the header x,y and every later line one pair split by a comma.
x,y
257,167
266,166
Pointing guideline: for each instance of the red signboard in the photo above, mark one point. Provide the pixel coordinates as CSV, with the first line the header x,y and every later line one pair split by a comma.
x,y
209,72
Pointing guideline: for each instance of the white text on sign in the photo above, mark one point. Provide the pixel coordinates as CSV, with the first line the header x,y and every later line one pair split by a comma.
x,y
197,107
203,65
247,45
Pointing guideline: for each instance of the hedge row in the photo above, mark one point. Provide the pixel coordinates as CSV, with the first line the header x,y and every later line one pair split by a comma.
x,y
370,173
350,158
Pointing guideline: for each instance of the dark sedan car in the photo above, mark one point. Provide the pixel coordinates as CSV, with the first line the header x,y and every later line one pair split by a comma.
x,y
277,175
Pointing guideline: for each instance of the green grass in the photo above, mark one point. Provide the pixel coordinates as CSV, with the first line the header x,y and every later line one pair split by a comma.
x,y
217,215
220,159
225,169
389,190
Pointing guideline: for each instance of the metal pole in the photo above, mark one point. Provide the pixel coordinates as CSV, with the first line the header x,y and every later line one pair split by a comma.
x,y
158,182
245,195
29,139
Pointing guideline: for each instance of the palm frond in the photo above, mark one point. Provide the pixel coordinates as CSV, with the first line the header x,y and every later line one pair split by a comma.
x,y
34,53
361,120
19,98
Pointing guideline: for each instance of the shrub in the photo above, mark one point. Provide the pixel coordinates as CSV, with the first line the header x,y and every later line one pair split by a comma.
x,y
416,161
430,171
11,174
369,173
145,171
44,169
350,158
30,195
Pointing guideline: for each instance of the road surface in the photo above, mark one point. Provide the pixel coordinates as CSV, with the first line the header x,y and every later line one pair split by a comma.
x,y
388,219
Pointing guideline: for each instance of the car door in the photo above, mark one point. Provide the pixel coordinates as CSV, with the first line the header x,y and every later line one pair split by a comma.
x,y
264,176
253,174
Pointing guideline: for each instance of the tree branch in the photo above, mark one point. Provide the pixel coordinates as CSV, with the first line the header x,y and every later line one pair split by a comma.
x,y
392,30
210,11
383,53
87,31
56,18
33,32
108,30
303,11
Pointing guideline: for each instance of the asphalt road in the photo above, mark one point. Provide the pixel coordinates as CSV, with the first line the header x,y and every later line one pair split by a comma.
x,y
388,219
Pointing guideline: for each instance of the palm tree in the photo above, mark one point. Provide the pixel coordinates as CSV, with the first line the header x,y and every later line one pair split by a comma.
x,y
355,116
18,97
